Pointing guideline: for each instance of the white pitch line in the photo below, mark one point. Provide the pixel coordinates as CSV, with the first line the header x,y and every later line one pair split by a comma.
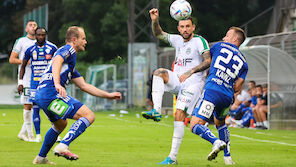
x,y
265,141
235,135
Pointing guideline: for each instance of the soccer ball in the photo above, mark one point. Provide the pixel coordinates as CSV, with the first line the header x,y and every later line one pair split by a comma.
x,y
180,10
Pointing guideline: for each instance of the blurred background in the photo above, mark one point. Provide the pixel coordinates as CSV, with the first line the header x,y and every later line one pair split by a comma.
x,y
122,53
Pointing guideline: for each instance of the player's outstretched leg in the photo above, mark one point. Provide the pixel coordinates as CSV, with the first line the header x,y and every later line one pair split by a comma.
x,y
157,94
62,149
152,114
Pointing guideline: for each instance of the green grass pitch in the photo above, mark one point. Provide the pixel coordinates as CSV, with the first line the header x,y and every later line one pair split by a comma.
x,y
131,141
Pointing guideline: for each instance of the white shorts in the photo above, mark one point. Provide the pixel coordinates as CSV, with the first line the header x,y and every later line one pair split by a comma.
x,y
187,92
25,96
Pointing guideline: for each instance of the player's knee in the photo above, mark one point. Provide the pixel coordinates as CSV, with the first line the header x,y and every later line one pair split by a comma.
x,y
194,121
161,72
60,125
180,115
219,122
90,116
27,106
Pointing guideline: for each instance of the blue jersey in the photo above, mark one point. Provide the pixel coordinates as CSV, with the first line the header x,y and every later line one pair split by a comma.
x,y
228,64
39,58
68,70
47,98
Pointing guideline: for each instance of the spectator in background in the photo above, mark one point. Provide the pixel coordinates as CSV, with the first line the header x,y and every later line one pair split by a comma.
x,y
260,110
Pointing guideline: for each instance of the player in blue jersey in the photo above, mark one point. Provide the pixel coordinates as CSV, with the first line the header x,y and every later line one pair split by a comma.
x,y
228,70
51,96
39,55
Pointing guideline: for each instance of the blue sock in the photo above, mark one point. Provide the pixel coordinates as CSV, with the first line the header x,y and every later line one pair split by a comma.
x,y
204,132
49,140
224,136
36,119
76,129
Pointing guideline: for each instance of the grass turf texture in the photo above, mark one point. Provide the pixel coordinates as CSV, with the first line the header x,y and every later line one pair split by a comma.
x,y
131,141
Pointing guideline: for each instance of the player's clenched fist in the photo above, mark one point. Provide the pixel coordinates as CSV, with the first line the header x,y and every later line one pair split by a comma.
x,y
115,95
154,14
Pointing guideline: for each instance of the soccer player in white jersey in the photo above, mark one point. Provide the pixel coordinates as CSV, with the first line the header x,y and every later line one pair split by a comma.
x,y
191,49
16,56
228,70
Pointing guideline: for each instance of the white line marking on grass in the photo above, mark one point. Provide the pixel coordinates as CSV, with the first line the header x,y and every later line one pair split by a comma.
x,y
265,141
235,135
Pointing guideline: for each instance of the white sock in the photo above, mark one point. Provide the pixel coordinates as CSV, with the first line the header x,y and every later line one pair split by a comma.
x,y
157,92
28,120
265,123
24,129
177,139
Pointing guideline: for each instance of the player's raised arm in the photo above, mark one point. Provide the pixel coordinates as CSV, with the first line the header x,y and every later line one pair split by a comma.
x,y
207,59
86,87
156,29
56,70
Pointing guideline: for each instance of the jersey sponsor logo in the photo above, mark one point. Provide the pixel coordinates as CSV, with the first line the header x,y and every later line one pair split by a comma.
x,y
188,51
206,109
43,62
218,81
183,62
36,79
41,57
46,77
184,99
58,107
34,55
186,93
47,50
39,68
48,56
41,53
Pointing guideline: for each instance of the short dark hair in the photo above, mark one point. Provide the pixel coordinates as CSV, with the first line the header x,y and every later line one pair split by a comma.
x,y
253,82
72,31
43,28
240,32
189,18
31,20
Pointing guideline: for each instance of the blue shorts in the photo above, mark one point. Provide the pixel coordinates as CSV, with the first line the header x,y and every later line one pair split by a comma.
x,y
55,106
32,95
33,88
212,102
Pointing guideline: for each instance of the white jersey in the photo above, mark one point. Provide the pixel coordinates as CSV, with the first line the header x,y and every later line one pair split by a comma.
x,y
20,46
188,54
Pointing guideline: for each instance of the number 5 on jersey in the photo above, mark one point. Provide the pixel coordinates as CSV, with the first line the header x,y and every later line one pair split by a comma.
x,y
58,107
